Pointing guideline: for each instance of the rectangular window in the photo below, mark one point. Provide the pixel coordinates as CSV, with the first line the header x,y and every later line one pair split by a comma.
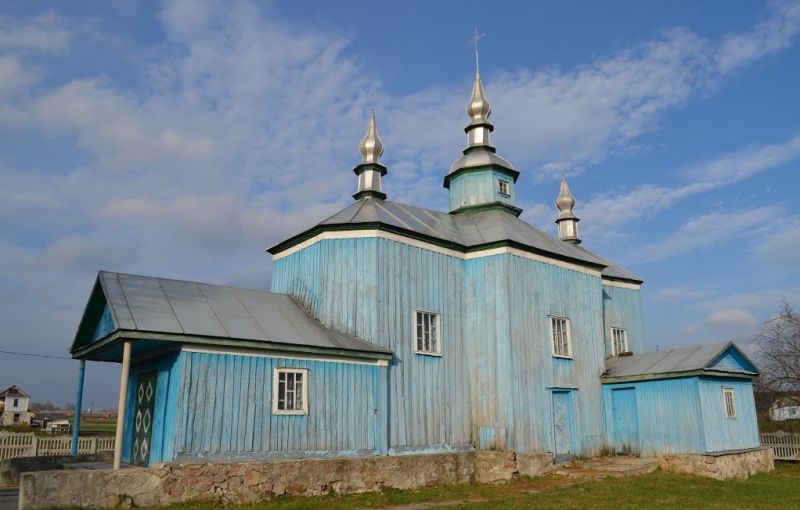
x,y
562,337
16,402
503,188
427,328
619,341
290,391
730,402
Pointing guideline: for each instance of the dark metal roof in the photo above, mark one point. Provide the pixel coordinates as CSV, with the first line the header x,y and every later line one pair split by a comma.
x,y
14,391
160,305
677,361
464,230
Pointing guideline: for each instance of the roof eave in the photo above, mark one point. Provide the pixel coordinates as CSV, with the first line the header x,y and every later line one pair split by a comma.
x,y
674,375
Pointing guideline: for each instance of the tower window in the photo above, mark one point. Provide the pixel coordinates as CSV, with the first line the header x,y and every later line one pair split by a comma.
x,y
619,341
730,402
427,329
503,188
290,391
561,336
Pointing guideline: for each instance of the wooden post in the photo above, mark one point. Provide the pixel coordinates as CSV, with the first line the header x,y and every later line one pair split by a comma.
x,y
123,394
35,446
76,422
93,446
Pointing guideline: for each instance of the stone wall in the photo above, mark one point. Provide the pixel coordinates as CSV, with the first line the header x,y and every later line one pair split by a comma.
x,y
720,466
11,469
245,482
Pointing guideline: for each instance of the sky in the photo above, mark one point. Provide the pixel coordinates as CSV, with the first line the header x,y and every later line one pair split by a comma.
x,y
181,138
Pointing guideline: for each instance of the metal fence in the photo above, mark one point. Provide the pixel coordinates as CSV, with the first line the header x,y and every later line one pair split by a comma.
x,y
30,445
785,446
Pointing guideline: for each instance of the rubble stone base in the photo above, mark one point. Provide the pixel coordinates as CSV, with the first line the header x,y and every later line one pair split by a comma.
x,y
247,482
720,466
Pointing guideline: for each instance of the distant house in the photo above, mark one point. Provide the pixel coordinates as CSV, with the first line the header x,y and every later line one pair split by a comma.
x,y
56,426
15,406
785,408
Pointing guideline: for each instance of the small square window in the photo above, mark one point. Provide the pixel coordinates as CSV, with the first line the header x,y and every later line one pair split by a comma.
x,y
561,336
619,341
503,188
427,333
290,391
730,402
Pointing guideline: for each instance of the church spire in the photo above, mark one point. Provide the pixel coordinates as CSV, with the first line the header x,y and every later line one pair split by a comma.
x,y
370,170
567,221
478,107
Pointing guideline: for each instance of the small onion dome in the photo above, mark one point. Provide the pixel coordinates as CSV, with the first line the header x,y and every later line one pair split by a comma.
x,y
478,107
565,202
371,147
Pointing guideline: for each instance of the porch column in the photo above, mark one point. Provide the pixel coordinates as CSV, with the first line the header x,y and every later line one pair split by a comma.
x,y
123,394
76,423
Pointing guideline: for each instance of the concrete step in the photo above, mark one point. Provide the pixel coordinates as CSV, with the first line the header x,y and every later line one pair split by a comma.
x,y
604,467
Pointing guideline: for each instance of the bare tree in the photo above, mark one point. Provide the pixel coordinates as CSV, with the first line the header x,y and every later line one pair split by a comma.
x,y
779,351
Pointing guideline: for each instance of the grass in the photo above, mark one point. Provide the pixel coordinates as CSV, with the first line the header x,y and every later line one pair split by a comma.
x,y
779,489
98,427
792,426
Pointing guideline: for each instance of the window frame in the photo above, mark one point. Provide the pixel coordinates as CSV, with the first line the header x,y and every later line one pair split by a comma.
x,y
504,184
437,330
275,391
614,351
730,412
568,323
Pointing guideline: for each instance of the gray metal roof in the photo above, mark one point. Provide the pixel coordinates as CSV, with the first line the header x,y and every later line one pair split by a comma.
x,y
469,230
160,305
686,359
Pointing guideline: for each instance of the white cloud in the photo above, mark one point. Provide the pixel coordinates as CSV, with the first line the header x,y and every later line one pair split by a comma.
x,y
730,317
705,231
45,33
779,250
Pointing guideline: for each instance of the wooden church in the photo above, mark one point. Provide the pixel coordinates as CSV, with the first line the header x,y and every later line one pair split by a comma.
x,y
393,329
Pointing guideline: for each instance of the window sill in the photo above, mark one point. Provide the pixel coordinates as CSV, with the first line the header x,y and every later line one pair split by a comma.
x,y
289,413
434,354
561,356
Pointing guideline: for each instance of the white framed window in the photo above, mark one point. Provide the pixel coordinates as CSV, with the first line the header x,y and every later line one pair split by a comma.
x,y
290,391
427,332
502,187
619,341
561,336
729,399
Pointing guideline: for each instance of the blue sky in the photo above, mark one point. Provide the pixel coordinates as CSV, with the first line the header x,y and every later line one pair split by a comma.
x,y
180,139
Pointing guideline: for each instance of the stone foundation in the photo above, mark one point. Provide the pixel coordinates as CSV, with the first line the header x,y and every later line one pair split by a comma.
x,y
246,482
11,469
720,466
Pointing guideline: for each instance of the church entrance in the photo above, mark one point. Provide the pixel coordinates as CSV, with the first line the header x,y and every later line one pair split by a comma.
x,y
562,426
626,420
143,417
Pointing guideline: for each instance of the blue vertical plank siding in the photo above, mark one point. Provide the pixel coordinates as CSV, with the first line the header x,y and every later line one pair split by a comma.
x,y
723,433
480,187
622,308
105,325
225,409
371,288
669,415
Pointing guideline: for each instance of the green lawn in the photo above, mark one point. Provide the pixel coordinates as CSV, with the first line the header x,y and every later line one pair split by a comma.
x,y
780,489
98,427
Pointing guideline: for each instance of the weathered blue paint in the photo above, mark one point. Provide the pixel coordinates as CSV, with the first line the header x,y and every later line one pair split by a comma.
x,y
224,410
723,433
684,415
76,424
622,308
169,374
371,287
492,384
563,425
480,187
105,325
626,420
732,360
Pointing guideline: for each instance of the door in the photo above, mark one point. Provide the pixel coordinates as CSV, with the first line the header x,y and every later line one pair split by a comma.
x,y
626,420
562,426
143,417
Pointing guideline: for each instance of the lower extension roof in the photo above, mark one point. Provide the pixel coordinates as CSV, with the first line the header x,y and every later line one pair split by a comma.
x,y
161,310
464,232
721,359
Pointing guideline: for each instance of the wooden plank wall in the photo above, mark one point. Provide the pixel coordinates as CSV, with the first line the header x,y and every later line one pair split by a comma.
x,y
723,433
474,188
224,409
623,309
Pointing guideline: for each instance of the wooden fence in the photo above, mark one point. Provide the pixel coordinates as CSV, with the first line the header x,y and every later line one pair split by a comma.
x,y
30,445
785,446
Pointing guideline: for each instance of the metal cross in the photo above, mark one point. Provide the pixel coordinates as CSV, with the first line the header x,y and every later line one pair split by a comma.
x,y
475,39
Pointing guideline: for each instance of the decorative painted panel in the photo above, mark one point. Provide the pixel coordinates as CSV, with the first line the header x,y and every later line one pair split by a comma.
x,y
143,417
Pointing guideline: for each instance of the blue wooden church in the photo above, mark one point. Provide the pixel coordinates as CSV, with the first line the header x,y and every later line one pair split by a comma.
x,y
393,329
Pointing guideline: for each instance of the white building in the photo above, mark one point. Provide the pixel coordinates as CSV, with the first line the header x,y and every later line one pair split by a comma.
x,y
15,406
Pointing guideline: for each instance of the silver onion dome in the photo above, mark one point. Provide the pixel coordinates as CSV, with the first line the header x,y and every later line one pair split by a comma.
x,y
371,147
